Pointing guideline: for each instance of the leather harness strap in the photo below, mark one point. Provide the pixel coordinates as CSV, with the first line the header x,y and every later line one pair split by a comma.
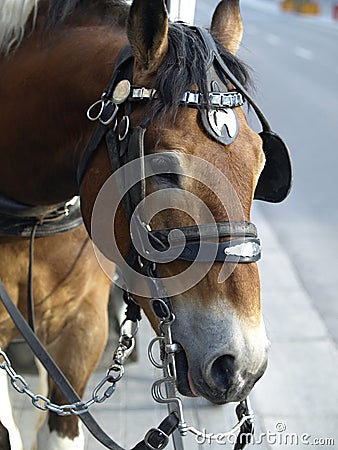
x,y
168,425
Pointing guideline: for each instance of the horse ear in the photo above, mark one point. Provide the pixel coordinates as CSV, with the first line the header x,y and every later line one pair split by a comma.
x,y
226,25
148,33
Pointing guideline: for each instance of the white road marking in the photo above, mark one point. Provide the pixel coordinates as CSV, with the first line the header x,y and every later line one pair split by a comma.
x,y
303,53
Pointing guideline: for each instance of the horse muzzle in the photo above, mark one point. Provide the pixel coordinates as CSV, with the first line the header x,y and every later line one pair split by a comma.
x,y
222,367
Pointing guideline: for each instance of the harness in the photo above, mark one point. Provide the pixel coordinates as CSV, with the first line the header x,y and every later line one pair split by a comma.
x,y
112,112
18,219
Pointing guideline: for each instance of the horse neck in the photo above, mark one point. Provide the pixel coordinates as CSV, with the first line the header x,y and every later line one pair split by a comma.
x,y
46,89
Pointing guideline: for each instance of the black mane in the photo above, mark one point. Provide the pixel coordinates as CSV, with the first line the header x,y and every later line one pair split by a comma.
x,y
184,67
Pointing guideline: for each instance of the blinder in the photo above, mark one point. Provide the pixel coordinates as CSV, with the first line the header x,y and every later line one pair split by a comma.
x,y
275,181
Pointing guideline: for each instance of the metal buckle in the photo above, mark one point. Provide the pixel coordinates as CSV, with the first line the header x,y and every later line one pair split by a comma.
x,y
226,99
141,93
191,98
160,434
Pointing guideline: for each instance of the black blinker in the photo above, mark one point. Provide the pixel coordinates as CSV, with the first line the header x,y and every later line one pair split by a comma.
x,y
275,181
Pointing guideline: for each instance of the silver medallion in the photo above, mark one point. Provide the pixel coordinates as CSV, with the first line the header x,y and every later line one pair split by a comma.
x,y
220,118
121,92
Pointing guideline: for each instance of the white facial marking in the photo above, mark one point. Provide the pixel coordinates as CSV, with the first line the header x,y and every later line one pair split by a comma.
x,y
6,415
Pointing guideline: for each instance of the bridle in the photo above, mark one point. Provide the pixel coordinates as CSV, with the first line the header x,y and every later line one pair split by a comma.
x,y
237,242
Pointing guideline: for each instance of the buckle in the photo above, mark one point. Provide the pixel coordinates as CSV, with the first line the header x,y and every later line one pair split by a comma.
x,y
160,437
191,98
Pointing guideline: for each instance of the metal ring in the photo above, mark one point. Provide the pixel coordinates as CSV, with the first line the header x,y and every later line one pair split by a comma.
x,y
167,316
126,123
134,328
151,355
119,369
112,115
93,118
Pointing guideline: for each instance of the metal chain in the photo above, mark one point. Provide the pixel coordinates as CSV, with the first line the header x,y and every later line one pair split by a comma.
x,y
167,355
103,390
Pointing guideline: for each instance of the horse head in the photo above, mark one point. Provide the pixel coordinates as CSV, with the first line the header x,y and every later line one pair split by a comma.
x,y
196,161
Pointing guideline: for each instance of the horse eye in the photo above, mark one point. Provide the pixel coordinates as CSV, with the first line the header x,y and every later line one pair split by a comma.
x,y
162,164
166,169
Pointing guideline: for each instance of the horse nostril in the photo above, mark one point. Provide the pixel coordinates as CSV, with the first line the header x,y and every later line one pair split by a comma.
x,y
222,371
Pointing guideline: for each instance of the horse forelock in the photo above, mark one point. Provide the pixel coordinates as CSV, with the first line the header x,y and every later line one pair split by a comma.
x,y
14,15
183,68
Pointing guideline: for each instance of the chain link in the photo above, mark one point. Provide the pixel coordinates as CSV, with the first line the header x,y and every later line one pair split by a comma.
x,y
103,390
168,349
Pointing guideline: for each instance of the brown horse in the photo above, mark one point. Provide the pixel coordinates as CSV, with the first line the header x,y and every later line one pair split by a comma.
x,y
58,57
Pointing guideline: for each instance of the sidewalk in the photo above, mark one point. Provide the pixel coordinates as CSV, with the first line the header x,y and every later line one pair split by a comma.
x,y
298,394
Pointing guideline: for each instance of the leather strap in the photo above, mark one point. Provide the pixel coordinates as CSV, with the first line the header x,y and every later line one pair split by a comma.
x,y
157,437
244,250
92,146
207,231
123,65
30,290
51,220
